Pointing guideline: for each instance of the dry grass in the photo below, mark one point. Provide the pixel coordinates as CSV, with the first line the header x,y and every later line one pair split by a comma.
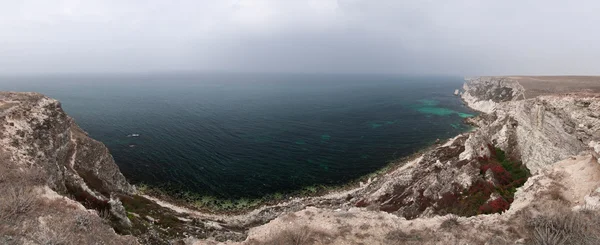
x,y
450,222
401,237
73,226
545,85
15,202
556,194
300,236
25,216
566,227
17,195
555,190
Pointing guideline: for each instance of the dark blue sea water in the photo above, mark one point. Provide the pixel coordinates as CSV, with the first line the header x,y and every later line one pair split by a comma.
x,y
247,135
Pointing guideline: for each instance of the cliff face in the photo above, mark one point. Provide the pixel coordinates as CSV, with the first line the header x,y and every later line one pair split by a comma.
x,y
38,137
37,132
540,130
484,93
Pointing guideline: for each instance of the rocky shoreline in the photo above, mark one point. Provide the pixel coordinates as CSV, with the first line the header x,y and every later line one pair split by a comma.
x,y
531,153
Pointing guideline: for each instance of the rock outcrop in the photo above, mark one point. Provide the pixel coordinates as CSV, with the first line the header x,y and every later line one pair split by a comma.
x,y
37,132
483,93
37,136
540,130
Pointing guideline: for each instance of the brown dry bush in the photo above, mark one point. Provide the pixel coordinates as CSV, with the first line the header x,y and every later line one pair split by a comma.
x,y
555,193
17,194
565,227
450,222
401,237
299,236
16,201
25,216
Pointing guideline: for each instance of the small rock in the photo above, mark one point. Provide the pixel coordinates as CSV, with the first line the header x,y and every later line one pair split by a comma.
x,y
150,219
489,176
184,219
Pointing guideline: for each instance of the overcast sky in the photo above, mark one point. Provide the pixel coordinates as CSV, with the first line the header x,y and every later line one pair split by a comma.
x,y
467,37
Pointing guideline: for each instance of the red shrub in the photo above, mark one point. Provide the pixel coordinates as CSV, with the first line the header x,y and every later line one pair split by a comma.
x,y
483,158
508,175
448,199
500,174
481,187
484,168
495,206
362,203
492,150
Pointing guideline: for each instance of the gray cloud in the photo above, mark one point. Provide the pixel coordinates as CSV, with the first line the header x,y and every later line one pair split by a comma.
x,y
467,37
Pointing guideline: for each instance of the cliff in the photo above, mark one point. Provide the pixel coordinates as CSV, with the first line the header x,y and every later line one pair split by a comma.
x,y
545,128
46,157
531,161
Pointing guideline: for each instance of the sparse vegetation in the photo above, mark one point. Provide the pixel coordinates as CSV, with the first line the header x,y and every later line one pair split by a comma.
x,y
364,226
400,237
450,222
555,193
564,227
206,202
310,190
300,236
142,188
27,217
18,197
508,175
16,201
277,196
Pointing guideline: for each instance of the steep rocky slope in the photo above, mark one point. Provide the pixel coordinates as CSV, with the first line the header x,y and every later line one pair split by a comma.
x,y
46,156
537,153
36,132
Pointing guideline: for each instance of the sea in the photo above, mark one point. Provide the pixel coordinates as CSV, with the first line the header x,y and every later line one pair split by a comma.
x,y
247,135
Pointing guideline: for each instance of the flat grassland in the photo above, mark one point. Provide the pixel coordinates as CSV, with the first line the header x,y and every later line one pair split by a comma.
x,y
545,85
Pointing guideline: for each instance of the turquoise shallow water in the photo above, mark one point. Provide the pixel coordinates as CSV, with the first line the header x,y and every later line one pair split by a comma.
x,y
247,135
433,107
